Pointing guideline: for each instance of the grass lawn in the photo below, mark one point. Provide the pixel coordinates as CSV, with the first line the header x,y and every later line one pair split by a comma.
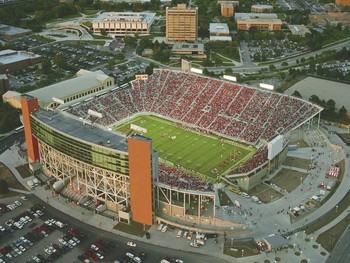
x,y
234,249
300,143
24,171
11,180
329,239
90,11
265,193
297,162
288,179
190,150
134,228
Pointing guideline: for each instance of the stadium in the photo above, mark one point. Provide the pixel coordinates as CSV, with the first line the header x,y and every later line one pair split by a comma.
x,y
155,149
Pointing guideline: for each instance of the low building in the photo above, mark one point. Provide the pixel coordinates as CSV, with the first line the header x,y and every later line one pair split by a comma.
x,y
264,22
261,8
227,9
12,60
9,33
219,32
123,23
4,84
299,30
193,50
275,242
342,2
13,98
85,83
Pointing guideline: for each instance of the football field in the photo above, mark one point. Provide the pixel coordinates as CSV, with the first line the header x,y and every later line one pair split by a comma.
x,y
195,152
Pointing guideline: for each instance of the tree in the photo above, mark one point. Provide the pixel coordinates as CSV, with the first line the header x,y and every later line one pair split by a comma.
x,y
284,64
120,56
111,64
315,98
272,67
228,71
343,113
297,94
3,187
330,106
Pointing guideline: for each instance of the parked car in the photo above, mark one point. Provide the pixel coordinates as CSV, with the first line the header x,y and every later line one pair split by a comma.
x,y
131,244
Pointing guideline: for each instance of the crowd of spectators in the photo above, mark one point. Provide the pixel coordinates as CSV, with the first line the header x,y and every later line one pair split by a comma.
x,y
246,114
236,111
178,179
258,159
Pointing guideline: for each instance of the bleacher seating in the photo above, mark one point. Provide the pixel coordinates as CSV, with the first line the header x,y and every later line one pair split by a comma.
x,y
243,113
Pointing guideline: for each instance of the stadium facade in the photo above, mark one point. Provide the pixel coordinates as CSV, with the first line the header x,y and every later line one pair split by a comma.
x,y
124,172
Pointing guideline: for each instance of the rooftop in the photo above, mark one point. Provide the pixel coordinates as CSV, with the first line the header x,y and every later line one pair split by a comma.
x,y
262,6
85,80
125,17
218,28
9,56
63,122
11,30
256,16
188,46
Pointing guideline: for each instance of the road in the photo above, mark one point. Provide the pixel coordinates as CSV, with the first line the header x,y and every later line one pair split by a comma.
x,y
8,141
154,253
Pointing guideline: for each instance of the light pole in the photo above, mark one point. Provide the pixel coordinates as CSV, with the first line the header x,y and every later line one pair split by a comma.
x,y
336,209
271,198
231,241
242,252
301,180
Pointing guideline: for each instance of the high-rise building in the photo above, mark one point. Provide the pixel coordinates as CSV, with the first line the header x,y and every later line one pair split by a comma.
x,y
181,23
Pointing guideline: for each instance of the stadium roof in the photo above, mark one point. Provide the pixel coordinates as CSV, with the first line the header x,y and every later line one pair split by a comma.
x,y
85,80
93,134
9,56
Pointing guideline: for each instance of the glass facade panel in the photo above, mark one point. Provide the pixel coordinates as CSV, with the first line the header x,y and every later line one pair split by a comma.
x,y
82,151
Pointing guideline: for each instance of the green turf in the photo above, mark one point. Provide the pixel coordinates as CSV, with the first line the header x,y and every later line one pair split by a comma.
x,y
194,152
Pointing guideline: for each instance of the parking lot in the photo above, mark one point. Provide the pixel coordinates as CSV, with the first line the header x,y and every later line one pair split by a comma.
x,y
261,50
30,233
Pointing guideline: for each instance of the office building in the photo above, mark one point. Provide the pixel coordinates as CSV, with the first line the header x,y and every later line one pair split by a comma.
x,y
263,21
123,23
181,23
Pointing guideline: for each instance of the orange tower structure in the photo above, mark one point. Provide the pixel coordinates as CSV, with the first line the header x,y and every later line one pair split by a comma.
x,y
140,179
30,105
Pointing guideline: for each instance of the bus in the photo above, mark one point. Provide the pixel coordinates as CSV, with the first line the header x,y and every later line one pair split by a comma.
x,y
19,129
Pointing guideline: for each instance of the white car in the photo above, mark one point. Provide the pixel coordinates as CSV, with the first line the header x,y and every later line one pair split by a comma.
x,y
131,244
179,261
193,244
164,229
94,247
62,241
71,242
99,255
160,227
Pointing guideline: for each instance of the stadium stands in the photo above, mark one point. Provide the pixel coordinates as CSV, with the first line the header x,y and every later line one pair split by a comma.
x,y
243,113
176,178
236,111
